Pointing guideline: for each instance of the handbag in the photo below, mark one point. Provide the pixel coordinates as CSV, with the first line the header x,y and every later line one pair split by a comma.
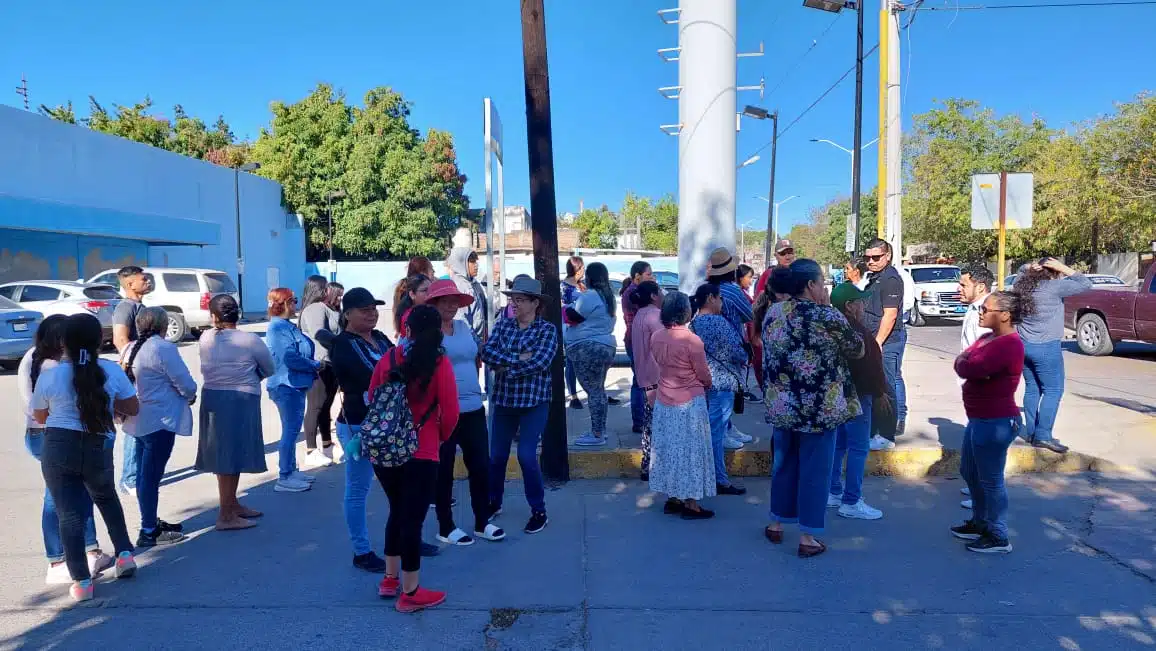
x,y
740,404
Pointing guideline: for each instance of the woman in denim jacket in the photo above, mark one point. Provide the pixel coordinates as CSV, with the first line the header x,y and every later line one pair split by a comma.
x,y
294,373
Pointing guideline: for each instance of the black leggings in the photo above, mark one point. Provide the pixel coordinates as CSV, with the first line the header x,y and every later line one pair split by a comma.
x,y
471,434
410,490
74,463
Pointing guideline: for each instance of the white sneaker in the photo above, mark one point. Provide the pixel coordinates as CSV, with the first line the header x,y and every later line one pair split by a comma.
x,y
732,444
967,504
292,485
739,436
860,511
98,563
834,501
334,452
300,476
880,443
965,491
58,575
317,459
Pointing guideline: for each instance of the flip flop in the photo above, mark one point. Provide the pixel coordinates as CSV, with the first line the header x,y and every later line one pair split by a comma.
x,y
243,524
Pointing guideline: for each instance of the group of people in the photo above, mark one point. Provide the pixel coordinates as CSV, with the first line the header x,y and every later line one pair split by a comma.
x,y
825,364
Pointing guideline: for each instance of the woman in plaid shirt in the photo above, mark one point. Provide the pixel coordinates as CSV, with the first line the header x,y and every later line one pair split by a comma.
x,y
519,352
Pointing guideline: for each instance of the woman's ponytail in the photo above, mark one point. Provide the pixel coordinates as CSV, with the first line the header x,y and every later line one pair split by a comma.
x,y
82,339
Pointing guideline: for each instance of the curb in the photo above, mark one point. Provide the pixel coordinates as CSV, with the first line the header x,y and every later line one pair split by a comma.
x,y
909,463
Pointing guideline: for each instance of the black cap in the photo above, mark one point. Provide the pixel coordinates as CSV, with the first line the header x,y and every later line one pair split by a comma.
x,y
358,297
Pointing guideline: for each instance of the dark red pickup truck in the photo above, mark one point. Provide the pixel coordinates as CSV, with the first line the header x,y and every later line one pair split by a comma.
x,y
1104,317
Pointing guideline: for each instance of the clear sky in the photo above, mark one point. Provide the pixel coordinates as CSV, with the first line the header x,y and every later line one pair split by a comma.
x,y
233,58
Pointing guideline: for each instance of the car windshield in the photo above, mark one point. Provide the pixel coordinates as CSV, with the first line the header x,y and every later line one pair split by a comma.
x,y
220,284
935,275
6,304
666,278
1106,280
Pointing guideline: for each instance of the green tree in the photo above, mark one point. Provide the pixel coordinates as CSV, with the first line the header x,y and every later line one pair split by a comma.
x,y
830,224
597,228
659,220
404,194
61,112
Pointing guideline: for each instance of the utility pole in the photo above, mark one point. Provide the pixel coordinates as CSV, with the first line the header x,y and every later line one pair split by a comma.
x,y
544,222
857,159
772,224
894,134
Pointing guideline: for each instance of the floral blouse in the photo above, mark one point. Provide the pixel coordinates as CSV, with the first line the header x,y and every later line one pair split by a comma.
x,y
805,352
725,355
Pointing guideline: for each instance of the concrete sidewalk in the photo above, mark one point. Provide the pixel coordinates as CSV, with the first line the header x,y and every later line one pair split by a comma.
x,y
1103,431
612,572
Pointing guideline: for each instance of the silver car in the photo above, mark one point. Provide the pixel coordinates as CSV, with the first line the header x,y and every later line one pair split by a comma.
x,y
17,329
66,297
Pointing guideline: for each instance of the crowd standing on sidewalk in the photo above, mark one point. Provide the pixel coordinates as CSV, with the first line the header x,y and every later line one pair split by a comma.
x,y
828,368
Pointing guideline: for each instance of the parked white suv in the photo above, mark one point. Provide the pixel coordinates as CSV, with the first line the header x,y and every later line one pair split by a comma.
x,y
936,292
184,293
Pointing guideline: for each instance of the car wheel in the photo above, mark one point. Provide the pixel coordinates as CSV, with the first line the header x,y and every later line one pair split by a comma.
x,y
177,329
1092,335
917,319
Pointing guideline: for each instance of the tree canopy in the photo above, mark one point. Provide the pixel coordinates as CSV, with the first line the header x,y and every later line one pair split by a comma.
x,y
597,228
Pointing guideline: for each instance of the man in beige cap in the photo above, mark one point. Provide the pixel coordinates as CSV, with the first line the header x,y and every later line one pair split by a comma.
x,y
784,255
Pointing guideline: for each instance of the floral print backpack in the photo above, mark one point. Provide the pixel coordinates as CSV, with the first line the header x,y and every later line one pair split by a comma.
x,y
388,434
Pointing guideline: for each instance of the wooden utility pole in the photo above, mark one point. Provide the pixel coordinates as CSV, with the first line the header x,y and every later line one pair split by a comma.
x,y
544,222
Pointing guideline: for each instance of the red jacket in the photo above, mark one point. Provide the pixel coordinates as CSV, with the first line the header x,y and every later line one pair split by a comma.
x,y
442,387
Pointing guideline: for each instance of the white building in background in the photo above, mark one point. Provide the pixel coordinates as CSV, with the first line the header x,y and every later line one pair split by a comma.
x,y
517,219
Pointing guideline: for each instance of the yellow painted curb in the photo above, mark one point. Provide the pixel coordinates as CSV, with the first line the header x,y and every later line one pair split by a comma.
x,y
906,463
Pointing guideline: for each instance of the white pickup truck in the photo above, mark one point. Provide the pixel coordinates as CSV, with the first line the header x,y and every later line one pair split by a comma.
x,y
936,292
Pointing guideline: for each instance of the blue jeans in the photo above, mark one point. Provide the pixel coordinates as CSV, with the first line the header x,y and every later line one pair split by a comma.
x,y
719,405
358,478
49,520
853,440
129,464
528,424
291,407
152,453
799,478
571,379
1043,388
893,372
984,455
637,395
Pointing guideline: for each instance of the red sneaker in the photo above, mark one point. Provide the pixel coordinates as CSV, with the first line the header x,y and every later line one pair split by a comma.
x,y
420,600
389,587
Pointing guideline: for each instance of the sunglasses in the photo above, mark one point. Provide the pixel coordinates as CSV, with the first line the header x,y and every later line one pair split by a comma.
x,y
983,309
875,258
786,252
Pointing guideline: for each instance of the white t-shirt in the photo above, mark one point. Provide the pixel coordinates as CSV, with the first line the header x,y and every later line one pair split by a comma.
x,y
908,289
54,392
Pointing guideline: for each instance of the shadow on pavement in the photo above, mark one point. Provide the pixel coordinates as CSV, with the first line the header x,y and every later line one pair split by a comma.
x,y
1126,403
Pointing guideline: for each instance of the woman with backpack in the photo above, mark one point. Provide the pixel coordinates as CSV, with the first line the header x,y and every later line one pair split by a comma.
x,y
419,372
76,402
45,354
165,389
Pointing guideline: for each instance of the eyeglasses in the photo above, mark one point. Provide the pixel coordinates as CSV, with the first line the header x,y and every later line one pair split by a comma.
x,y
875,258
786,252
983,309
521,300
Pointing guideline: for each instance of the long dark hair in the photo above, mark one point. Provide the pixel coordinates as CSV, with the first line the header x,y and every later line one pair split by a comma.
x,y
704,291
644,295
403,300
82,338
316,290
639,267
425,345
49,343
573,265
150,322
1028,281
598,280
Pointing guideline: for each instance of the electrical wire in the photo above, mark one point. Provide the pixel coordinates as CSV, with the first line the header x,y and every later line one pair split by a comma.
x,y
832,87
799,61
1048,5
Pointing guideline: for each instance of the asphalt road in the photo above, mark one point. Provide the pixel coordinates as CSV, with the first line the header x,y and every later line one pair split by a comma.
x,y
1125,379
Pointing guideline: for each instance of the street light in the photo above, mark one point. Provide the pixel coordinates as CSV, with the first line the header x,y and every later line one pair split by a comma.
x,y
775,223
336,194
743,239
750,161
759,113
835,6
851,152
244,167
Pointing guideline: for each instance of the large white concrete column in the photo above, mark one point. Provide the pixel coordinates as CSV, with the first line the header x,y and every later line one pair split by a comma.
x,y
706,142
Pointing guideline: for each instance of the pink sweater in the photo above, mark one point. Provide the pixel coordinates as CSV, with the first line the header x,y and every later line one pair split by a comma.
x,y
647,321
682,364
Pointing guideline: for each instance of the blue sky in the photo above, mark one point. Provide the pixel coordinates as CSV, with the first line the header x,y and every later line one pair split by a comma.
x,y
233,58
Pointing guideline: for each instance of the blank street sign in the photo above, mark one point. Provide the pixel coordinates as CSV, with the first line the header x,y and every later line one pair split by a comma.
x,y
985,201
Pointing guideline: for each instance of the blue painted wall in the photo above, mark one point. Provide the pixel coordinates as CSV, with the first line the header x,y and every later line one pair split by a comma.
x,y
106,199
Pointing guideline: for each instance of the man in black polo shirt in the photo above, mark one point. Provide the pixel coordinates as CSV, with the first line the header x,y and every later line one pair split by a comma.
x,y
882,317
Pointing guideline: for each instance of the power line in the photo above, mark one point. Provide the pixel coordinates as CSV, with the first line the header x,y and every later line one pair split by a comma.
x,y
866,55
799,61
1048,5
